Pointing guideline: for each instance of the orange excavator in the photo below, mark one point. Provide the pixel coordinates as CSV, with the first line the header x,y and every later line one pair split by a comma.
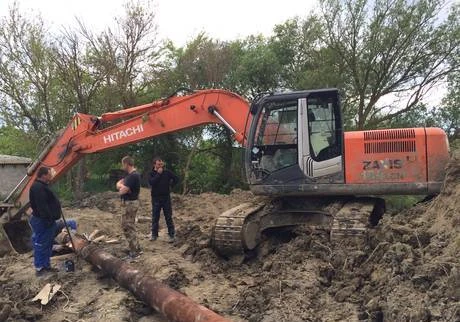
x,y
296,154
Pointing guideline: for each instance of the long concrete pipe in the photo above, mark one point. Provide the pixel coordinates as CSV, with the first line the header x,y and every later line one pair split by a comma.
x,y
172,304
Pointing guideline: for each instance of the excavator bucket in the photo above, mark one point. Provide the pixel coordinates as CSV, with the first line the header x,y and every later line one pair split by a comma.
x,y
15,236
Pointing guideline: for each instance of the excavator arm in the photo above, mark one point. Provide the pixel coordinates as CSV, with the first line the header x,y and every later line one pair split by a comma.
x,y
87,134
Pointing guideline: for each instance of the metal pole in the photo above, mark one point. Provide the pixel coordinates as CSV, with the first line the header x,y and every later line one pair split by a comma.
x,y
221,118
172,304
68,230
15,189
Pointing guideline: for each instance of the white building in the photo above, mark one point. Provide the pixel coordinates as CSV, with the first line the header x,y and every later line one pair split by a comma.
x,y
12,170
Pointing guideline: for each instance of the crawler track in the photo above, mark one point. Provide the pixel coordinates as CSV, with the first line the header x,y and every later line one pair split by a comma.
x,y
238,229
351,223
228,234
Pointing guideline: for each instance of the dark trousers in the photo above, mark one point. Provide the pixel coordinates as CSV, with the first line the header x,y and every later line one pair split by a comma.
x,y
43,233
158,203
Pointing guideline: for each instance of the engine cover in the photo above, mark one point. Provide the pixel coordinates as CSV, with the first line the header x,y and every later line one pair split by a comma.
x,y
416,155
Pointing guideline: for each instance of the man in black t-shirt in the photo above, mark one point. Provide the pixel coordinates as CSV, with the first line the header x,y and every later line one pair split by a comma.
x,y
129,188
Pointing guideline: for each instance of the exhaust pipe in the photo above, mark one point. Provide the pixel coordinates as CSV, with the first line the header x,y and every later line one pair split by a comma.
x,y
172,304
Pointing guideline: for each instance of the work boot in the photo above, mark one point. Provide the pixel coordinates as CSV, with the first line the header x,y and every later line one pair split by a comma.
x,y
43,274
134,255
171,239
45,271
40,272
51,269
153,238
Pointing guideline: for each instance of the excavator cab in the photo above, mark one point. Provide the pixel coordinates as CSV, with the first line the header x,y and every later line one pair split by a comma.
x,y
295,155
295,138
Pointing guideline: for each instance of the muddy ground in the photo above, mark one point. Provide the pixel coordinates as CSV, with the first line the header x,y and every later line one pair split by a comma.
x,y
409,270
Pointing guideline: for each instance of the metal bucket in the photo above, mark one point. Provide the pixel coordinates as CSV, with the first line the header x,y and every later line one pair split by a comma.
x,y
15,236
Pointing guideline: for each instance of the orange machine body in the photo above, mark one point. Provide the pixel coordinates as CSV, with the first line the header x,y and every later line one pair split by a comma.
x,y
413,155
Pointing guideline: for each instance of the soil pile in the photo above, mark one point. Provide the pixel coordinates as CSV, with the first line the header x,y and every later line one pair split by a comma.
x,y
408,271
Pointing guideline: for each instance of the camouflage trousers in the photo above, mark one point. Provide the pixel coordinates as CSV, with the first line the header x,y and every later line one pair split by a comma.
x,y
128,218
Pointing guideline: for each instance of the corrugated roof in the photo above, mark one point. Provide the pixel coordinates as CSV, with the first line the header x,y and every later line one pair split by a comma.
x,y
12,159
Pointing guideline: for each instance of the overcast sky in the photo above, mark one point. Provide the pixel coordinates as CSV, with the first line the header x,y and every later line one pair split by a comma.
x,y
181,20
178,20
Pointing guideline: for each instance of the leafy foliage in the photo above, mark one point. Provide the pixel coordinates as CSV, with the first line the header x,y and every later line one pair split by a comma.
x,y
14,141
384,56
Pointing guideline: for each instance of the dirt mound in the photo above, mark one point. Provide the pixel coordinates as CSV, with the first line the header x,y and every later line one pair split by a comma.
x,y
105,201
409,270
414,271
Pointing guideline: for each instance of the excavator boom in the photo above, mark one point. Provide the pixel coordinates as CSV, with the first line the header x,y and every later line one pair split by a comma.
x,y
87,134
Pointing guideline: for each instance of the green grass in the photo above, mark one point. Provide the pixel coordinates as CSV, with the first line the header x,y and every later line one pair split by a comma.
x,y
396,204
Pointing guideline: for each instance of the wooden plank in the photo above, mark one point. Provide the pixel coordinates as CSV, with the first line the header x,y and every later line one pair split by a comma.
x,y
98,239
112,241
47,293
93,234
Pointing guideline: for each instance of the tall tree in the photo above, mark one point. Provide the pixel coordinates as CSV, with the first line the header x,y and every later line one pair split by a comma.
x,y
117,67
202,63
449,113
28,85
306,62
127,55
80,82
258,69
389,48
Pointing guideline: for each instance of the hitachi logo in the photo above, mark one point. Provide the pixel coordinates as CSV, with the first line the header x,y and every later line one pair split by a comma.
x,y
112,137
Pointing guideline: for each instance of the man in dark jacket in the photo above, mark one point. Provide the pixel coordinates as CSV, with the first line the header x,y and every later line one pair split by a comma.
x,y
46,209
160,182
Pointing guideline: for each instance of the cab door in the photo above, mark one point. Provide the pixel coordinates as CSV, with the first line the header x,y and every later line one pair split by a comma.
x,y
320,135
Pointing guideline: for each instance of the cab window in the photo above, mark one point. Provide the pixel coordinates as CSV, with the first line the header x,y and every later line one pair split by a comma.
x,y
323,128
276,136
